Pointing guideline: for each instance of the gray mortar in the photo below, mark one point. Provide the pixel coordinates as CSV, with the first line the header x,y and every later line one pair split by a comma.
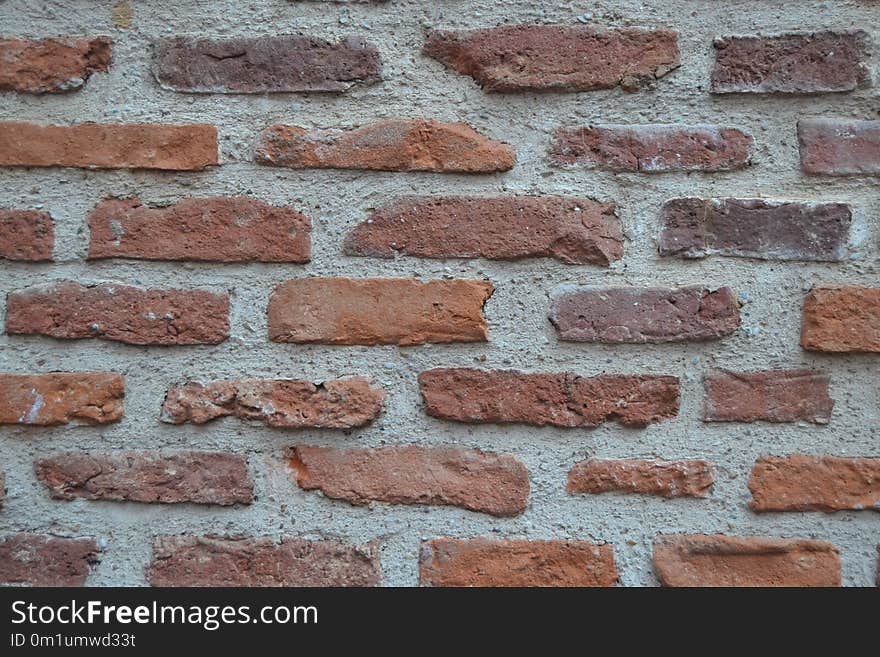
x,y
521,336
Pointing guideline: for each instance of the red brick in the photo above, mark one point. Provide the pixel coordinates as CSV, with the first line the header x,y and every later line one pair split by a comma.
x,y
26,235
68,310
219,229
815,483
108,146
842,319
221,561
467,478
37,560
717,560
52,65
392,145
573,230
838,147
561,400
556,57
491,562
347,311
60,398
653,477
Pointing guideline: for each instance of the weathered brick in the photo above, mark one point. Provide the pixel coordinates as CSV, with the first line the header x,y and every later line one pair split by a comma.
x,y
348,311
573,230
642,315
269,64
26,235
772,395
68,310
561,400
108,146
653,148
491,562
815,483
392,145
221,561
219,229
467,478
647,477
842,319
791,63
754,228
838,147
694,560
51,65
338,404
38,560
153,477
60,398
556,57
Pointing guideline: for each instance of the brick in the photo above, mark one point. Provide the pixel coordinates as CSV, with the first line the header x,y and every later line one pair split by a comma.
x,y
27,235
60,398
271,64
560,400
652,477
573,230
717,560
842,319
490,562
339,404
218,229
555,57
38,560
69,310
392,145
815,483
52,65
753,228
347,311
152,477
653,148
445,476
237,561
838,147
791,63
772,396
108,146
616,315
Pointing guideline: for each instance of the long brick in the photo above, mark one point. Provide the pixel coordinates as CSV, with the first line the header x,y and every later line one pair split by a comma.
x,y
467,478
791,63
815,483
838,147
556,57
69,310
26,235
653,148
221,561
108,146
338,404
152,477
753,228
61,397
491,562
271,64
648,477
573,230
38,560
392,145
771,395
219,229
642,315
716,560
842,319
561,400
346,311
52,65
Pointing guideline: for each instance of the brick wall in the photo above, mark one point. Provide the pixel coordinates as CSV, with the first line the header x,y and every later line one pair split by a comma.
x,y
446,293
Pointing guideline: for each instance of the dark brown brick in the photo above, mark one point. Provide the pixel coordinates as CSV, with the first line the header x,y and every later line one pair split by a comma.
x,y
26,235
37,560
838,147
61,397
